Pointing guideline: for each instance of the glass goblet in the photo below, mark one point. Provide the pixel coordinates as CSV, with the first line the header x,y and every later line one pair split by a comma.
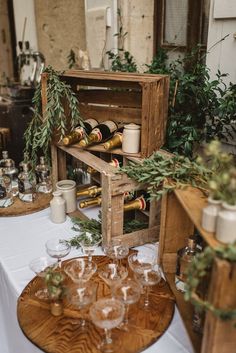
x,y
39,266
138,262
128,292
81,295
112,274
80,269
57,249
116,251
107,314
89,246
149,277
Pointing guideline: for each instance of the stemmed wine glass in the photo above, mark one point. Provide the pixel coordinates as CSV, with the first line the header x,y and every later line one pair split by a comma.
x,y
58,249
128,292
81,295
39,266
107,314
112,274
116,251
146,271
89,245
80,269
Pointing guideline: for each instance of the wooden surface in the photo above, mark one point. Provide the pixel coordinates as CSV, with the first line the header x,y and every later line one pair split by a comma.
x,y
62,334
20,208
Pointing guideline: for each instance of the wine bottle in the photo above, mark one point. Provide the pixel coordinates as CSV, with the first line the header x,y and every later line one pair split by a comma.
x,y
115,141
114,162
96,201
100,133
138,204
91,191
79,132
5,158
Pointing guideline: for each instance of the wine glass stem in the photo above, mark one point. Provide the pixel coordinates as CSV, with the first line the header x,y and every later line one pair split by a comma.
x,y
126,316
108,336
146,298
59,263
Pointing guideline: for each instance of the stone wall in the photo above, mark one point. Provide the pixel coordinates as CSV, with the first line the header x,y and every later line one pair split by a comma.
x,y
60,28
6,61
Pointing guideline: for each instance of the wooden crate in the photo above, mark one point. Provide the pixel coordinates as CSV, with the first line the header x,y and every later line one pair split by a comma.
x,y
180,213
113,187
125,98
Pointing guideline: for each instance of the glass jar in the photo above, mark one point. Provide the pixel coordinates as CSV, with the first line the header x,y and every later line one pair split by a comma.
x,y
131,138
26,184
45,185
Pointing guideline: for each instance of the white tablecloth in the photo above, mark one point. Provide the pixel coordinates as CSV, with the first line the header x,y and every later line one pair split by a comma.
x,y
23,239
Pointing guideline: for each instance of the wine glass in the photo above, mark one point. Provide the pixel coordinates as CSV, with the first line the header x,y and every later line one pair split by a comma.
x,y
80,269
81,296
39,266
138,262
107,313
128,292
112,274
89,245
57,248
116,251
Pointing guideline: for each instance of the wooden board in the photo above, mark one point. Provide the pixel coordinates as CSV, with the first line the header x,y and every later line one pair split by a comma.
x,y
62,334
20,208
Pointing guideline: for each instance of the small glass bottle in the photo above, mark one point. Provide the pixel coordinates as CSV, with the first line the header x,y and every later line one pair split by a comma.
x,y
6,198
45,186
26,184
12,172
184,257
25,160
4,158
41,167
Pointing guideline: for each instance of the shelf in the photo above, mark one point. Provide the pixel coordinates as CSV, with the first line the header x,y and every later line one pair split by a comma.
x,y
193,201
186,312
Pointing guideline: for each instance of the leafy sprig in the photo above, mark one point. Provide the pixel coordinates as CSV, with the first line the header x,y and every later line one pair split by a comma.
x,y
163,173
41,129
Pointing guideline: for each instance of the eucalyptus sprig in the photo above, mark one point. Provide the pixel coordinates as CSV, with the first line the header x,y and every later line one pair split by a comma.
x,y
198,269
163,173
41,129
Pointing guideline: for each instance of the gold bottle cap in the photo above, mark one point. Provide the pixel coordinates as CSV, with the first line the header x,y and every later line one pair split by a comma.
x,y
66,141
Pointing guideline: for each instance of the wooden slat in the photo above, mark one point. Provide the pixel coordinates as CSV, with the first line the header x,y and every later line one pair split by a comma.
x,y
120,98
139,237
106,209
147,89
62,172
102,113
219,336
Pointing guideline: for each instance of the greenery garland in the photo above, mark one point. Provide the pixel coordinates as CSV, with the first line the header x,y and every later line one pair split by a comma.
x,y
41,130
163,173
198,269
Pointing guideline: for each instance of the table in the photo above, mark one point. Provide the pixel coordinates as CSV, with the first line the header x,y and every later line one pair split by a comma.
x,y
22,239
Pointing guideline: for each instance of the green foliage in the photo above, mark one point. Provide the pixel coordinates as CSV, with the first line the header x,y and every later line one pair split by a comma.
x,y
94,228
196,272
40,131
122,60
163,173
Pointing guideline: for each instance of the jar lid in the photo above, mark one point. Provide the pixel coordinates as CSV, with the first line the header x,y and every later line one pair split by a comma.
x,y
132,126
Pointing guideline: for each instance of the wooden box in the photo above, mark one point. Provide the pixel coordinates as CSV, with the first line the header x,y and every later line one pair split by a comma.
x,y
125,98
180,213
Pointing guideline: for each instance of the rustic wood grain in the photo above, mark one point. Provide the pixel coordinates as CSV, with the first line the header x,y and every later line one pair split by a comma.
x,y
20,208
63,335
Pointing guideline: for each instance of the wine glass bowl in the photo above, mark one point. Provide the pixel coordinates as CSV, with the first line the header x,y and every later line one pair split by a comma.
x,y
81,295
89,246
57,249
80,269
128,292
112,274
107,314
39,266
116,252
139,262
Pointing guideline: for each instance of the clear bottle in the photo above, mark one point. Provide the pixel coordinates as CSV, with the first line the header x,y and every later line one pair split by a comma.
x,y
79,132
5,157
184,257
6,197
42,167
101,133
25,160
12,172
45,186
26,184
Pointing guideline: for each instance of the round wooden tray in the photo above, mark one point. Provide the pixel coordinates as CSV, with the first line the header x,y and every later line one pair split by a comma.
x,y
62,334
20,208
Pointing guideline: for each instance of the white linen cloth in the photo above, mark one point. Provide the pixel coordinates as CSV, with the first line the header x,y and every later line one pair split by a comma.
x,y
23,239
